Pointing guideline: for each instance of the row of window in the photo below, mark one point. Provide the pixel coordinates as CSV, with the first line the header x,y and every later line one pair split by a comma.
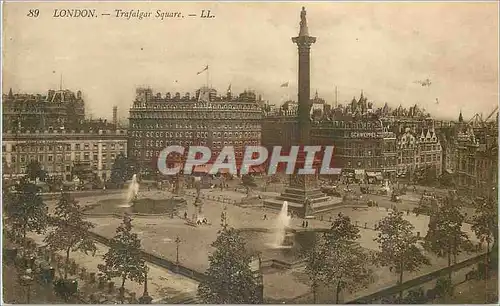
x,y
190,126
192,116
197,134
188,107
61,147
61,158
156,153
422,159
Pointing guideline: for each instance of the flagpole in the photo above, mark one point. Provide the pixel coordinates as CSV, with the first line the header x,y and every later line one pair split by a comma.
x,y
208,76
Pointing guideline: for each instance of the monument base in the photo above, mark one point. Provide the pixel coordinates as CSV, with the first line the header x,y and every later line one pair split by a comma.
x,y
296,198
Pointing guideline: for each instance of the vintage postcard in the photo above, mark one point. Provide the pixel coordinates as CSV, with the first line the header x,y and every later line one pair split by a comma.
x,y
250,152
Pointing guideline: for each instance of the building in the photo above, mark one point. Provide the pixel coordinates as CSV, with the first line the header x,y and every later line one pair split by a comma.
x,y
418,152
429,151
61,152
43,112
363,144
205,118
477,159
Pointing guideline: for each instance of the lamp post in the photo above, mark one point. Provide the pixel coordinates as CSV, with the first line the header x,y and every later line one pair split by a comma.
x,y
177,242
145,298
26,280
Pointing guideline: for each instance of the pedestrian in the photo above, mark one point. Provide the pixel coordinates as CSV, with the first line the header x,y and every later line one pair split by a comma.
x,y
303,223
265,217
330,219
185,215
307,223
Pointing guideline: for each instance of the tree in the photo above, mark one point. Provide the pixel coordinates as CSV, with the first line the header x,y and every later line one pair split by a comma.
x,y
315,266
339,260
70,232
445,237
485,224
426,175
120,171
229,277
26,211
124,258
248,181
34,170
398,246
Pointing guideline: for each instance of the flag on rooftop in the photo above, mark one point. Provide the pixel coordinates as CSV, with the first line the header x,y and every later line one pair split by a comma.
x,y
204,69
284,84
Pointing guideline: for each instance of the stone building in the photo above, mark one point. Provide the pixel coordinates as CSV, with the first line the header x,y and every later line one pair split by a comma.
x,y
407,149
43,112
205,119
429,151
477,159
418,152
60,151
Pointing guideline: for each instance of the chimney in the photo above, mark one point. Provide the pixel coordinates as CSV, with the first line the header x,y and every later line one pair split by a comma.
x,y
115,115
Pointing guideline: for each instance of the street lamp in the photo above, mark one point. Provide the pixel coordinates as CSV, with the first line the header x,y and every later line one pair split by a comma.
x,y
145,298
26,280
177,242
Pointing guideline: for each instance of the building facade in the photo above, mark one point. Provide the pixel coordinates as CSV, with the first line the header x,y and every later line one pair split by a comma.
x,y
59,152
204,119
58,108
423,151
477,159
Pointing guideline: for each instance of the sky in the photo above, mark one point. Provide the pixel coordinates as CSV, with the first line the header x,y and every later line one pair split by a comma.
x,y
380,48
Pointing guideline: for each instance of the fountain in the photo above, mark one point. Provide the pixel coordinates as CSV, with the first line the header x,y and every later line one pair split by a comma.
x,y
133,190
279,233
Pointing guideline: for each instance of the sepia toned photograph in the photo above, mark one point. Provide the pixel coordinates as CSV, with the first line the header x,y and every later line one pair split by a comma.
x,y
250,152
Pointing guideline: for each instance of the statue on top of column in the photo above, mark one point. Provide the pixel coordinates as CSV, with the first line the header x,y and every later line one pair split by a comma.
x,y
303,23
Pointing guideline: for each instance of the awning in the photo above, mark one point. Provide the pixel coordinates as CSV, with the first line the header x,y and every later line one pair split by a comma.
x,y
370,174
379,176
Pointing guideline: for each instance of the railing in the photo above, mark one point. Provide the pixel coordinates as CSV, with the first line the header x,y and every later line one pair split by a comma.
x,y
159,261
417,281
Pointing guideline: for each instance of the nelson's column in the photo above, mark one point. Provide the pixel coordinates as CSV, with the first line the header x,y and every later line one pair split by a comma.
x,y
303,195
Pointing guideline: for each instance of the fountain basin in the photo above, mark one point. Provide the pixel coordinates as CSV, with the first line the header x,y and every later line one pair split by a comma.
x,y
140,206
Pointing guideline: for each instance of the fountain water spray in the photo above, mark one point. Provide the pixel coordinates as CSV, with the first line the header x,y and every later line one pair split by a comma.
x,y
133,190
282,222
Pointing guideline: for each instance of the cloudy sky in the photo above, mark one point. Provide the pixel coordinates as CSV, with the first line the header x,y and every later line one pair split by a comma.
x,y
380,48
